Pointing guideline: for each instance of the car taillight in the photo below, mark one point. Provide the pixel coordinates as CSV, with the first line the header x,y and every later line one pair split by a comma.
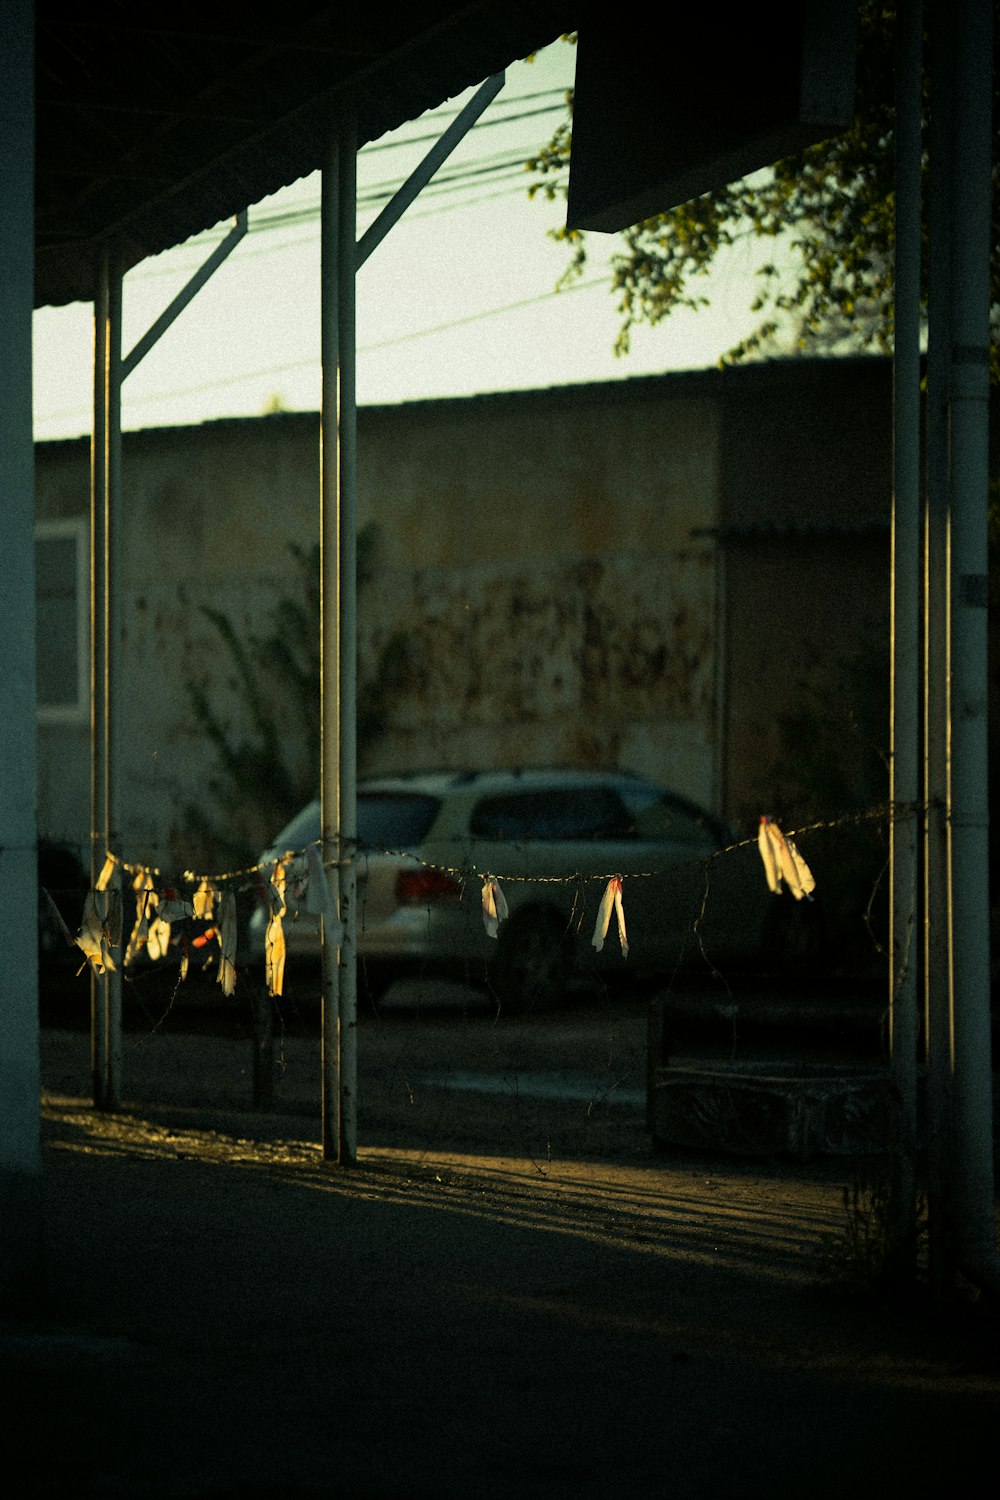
x,y
418,887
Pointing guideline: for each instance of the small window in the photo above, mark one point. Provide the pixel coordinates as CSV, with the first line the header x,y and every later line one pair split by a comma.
x,y
61,620
588,813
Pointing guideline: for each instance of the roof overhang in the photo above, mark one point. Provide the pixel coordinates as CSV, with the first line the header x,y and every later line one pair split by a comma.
x,y
155,123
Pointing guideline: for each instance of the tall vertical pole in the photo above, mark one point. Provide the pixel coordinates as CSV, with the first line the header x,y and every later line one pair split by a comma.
x,y
105,651
329,596
113,518
968,386
98,596
21,1265
338,628
341,255
937,653
347,446
905,625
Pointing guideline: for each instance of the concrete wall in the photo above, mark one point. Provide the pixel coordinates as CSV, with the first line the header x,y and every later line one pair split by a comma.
x,y
540,550
208,514
546,555
806,451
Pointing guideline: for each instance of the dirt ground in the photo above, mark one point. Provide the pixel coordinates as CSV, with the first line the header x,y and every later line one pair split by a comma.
x,y
510,1294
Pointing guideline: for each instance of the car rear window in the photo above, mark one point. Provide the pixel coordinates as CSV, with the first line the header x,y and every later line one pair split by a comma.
x,y
576,813
394,820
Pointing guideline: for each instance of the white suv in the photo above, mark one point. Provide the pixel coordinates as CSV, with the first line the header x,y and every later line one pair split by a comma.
x,y
551,839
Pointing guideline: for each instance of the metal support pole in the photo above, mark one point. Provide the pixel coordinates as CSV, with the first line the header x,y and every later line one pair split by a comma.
x,y
340,257
105,652
106,636
937,891
338,628
972,1162
98,594
905,625
329,596
347,448
112,661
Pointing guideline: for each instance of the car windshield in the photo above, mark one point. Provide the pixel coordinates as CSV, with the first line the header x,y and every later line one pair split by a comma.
x,y
394,820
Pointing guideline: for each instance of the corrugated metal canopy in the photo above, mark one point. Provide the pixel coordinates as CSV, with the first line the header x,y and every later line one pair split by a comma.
x,y
156,122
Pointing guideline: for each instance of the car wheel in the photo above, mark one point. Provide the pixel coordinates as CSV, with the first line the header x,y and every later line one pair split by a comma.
x,y
532,963
795,937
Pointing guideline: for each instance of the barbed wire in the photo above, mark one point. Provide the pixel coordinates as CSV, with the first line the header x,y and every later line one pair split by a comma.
x,y
466,875
186,939
350,848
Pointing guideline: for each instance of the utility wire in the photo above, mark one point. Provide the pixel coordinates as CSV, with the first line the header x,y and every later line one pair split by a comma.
x,y
510,168
302,364
310,214
477,171
413,213
371,195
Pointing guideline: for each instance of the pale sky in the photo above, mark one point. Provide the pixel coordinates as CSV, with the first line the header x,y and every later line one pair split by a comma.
x,y
458,300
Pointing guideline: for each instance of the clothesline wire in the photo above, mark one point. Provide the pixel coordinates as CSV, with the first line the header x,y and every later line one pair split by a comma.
x,y
350,848
251,875
101,932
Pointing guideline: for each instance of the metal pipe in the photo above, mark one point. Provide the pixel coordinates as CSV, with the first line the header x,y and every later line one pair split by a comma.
x,y
972,1162
330,643
187,293
105,651
937,863
113,518
347,1152
110,538
98,723
905,621
340,257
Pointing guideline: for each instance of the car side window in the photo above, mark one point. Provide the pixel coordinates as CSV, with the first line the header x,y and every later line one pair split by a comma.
x,y
572,814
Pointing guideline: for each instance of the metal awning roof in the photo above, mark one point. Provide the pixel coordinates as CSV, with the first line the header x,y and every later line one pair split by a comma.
x,y
155,123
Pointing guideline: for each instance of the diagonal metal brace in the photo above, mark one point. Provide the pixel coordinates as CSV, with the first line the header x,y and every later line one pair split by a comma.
x,y
421,176
187,293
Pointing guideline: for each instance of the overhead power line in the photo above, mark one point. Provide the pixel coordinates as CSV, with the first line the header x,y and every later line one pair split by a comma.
x,y
445,182
303,364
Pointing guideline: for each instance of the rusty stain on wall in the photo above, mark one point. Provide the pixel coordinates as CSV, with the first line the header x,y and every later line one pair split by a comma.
x,y
561,663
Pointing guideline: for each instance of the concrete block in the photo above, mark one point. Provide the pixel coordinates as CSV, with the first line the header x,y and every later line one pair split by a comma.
x,y
799,1111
